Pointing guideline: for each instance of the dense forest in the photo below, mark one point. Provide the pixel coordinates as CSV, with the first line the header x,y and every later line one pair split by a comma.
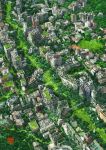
x,y
97,6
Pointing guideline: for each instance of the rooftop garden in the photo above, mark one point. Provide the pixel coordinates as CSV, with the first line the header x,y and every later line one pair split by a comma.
x,y
47,94
45,34
7,46
33,125
43,49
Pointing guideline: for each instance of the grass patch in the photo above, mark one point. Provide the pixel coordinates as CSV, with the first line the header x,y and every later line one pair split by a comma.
x,y
76,70
5,96
50,80
93,45
101,64
9,84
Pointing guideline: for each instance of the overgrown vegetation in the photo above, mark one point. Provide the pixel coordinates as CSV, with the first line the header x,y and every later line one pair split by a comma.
x,y
97,6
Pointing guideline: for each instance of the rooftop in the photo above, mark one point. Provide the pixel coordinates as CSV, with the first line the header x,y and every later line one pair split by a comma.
x,y
33,125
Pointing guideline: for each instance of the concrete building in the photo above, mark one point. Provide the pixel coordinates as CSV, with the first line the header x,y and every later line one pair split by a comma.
x,y
34,36
56,61
101,112
16,60
73,18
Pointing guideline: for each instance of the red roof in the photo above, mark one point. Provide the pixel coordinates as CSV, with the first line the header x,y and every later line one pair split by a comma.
x,y
10,140
75,47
